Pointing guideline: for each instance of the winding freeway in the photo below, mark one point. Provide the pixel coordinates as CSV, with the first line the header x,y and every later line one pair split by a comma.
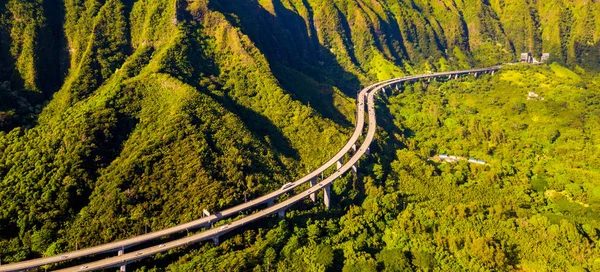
x,y
367,94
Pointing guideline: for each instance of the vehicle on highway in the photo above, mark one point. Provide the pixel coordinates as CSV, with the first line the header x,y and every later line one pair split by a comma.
x,y
367,96
63,256
285,186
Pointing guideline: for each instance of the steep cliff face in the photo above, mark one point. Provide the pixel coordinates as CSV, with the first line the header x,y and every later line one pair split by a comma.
x,y
121,114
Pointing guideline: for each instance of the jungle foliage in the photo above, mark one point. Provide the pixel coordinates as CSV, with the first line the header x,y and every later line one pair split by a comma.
x,y
534,206
119,117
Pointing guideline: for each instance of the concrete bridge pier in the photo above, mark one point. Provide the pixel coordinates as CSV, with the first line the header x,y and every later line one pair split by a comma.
x,y
270,203
449,76
493,71
281,213
313,196
216,240
354,169
475,74
354,148
123,268
368,151
456,76
339,164
327,195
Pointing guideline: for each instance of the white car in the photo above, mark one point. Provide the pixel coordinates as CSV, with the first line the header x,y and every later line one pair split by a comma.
x,y
224,227
63,256
83,267
161,245
285,186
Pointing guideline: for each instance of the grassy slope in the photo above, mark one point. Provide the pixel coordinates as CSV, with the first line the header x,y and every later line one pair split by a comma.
x,y
534,207
158,100
192,110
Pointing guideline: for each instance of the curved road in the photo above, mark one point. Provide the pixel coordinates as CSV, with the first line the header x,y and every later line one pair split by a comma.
x,y
202,222
367,93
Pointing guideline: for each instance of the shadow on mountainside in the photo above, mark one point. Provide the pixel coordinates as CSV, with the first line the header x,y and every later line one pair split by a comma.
x,y
269,134
21,106
259,125
302,66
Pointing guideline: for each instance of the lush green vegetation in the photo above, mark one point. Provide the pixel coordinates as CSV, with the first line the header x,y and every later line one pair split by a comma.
x,y
118,117
533,207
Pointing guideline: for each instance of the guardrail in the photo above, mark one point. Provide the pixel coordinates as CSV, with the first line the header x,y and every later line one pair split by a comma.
x,y
367,93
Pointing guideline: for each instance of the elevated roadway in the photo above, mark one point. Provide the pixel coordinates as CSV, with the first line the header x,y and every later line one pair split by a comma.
x,y
274,208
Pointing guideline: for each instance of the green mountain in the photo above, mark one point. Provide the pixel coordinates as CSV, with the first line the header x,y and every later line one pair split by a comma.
x,y
121,116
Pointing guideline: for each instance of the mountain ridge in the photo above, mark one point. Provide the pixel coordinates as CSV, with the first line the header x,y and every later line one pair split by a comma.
x,y
101,113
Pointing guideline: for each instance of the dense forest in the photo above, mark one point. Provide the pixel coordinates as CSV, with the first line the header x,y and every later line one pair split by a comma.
x,y
119,117
535,205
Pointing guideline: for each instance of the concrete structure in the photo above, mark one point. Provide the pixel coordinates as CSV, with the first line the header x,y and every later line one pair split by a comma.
x,y
123,268
281,213
367,94
526,58
476,161
327,195
313,196
454,159
534,96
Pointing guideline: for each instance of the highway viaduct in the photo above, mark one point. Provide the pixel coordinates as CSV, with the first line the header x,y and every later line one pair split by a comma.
x,y
365,98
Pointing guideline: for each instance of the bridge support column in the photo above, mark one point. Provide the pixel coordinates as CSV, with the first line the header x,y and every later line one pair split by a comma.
x,y
216,240
449,76
475,74
327,195
354,169
313,196
281,213
456,76
493,72
339,164
270,203
123,268
368,151
354,148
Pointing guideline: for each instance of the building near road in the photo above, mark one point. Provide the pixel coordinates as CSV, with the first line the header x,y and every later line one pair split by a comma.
x,y
453,159
526,58
471,160
534,96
